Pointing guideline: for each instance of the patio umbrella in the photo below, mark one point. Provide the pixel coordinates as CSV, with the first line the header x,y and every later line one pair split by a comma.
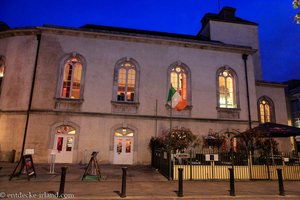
x,y
276,130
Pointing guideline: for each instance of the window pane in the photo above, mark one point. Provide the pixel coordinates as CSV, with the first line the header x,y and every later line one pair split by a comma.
x,y
131,85
174,80
121,84
222,89
128,146
76,81
267,113
2,68
229,93
66,91
262,113
69,144
184,86
119,146
59,145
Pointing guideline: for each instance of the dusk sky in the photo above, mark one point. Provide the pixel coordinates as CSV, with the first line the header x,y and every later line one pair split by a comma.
x,y
278,33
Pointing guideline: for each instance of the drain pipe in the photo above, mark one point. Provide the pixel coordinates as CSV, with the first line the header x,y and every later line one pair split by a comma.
x,y
245,56
38,37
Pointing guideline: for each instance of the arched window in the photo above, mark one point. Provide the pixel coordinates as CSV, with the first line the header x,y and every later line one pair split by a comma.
x,y
180,77
227,88
72,75
266,110
126,80
2,69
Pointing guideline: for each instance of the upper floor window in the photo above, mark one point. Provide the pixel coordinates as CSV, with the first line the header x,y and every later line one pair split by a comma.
x,y
180,77
179,81
266,110
2,68
126,80
71,83
227,88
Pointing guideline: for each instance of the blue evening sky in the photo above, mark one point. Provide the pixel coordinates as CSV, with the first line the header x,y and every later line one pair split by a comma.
x,y
278,33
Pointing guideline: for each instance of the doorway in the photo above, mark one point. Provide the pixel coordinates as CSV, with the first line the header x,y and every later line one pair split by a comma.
x,y
123,146
64,144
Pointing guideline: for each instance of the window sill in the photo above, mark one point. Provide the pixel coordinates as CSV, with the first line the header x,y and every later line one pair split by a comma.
x,y
125,107
186,112
68,104
69,100
189,107
229,113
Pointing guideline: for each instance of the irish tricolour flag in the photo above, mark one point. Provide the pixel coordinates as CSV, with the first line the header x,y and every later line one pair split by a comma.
x,y
175,100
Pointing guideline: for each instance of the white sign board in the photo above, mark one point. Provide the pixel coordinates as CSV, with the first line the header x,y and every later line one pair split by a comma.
x,y
211,157
29,152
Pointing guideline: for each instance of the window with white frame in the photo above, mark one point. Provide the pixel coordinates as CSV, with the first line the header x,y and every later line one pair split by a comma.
x,y
71,80
179,76
227,88
179,80
126,81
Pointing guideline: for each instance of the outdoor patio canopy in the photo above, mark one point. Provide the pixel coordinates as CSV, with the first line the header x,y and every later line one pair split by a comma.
x,y
276,130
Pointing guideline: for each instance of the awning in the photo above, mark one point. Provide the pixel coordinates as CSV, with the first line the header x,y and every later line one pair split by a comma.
x,y
276,130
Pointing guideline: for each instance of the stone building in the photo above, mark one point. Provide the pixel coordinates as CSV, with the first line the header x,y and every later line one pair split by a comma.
x,y
97,88
293,108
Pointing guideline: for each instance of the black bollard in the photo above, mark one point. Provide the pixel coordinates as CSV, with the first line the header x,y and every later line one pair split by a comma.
x,y
13,156
123,191
62,181
280,182
180,182
232,190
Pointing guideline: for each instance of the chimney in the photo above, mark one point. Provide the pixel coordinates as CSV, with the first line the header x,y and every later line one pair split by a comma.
x,y
227,13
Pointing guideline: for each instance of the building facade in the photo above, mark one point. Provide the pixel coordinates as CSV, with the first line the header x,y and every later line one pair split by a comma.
x,y
95,88
293,107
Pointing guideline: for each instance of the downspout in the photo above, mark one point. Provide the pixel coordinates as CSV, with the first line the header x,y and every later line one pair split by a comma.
x,y
245,56
38,37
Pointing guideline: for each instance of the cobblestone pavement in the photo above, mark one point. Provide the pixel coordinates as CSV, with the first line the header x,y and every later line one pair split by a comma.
x,y
143,182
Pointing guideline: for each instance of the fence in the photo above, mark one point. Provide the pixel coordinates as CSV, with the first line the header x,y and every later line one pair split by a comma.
x,y
161,160
197,166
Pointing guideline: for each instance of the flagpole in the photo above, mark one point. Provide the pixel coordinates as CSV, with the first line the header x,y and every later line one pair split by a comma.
x,y
171,117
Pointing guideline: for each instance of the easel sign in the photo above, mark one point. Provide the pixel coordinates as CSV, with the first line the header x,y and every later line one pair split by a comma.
x,y
92,170
26,163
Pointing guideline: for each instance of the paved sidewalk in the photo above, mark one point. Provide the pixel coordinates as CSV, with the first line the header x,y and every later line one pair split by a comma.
x,y
143,182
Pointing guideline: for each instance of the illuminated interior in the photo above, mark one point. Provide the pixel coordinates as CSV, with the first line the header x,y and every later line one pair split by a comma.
x,y
179,81
124,132
265,112
65,129
126,82
2,69
226,90
72,78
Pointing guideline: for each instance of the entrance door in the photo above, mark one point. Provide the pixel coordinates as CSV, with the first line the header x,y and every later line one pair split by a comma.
x,y
123,147
64,144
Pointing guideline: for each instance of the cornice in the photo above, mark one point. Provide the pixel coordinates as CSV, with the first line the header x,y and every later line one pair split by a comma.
x,y
130,37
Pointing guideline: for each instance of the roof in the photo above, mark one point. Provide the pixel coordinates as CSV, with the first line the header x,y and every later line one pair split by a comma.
x,y
227,14
92,27
270,83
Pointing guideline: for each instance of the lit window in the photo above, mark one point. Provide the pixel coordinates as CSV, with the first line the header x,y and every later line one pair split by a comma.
x,y
2,68
72,79
124,132
227,95
266,110
179,80
125,82
65,129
